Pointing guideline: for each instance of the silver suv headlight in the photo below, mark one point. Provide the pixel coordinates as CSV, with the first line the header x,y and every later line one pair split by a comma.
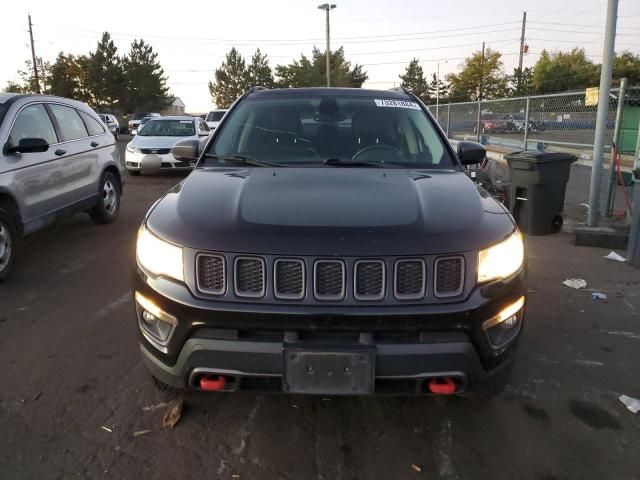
x,y
159,257
501,260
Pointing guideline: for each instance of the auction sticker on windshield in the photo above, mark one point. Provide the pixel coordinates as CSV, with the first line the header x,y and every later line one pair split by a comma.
x,y
396,104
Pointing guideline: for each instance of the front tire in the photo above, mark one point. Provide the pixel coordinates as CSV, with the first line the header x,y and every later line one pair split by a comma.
x,y
8,241
117,135
108,206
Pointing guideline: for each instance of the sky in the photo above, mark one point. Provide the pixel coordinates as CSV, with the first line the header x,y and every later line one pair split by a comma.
x,y
382,35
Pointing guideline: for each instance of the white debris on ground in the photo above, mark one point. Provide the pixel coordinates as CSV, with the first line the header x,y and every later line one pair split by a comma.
x,y
632,404
576,283
614,256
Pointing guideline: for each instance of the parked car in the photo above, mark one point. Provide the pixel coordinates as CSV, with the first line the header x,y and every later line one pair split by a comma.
x,y
57,159
150,150
214,117
112,124
329,242
143,122
492,123
134,119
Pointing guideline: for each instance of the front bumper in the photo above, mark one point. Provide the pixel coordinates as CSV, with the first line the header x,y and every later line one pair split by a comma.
x,y
412,343
139,162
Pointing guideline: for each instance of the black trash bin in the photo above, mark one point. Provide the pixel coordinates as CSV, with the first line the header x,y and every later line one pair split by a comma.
x,y
536,194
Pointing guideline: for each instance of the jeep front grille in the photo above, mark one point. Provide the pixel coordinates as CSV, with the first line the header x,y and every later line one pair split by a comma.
x,y
249,274
329,280
449,281
289,279
410,279
310,280
369,280
210,273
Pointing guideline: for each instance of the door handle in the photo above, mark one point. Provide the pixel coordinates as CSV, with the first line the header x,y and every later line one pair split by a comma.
x,y
60,152
94,144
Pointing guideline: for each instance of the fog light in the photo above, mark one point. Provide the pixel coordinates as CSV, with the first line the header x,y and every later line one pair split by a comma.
x,y
156,325
504,327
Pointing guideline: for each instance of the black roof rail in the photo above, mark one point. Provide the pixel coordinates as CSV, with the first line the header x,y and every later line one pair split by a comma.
x,y
257,88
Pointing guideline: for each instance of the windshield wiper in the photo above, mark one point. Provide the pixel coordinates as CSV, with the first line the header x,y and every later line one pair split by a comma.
x,y
340,162
243,159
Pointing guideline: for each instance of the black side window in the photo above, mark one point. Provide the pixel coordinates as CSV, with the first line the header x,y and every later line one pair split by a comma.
x,y
69,122
33,122
92,124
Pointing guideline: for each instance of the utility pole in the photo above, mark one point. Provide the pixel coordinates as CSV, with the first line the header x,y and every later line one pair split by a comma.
x,y
481,93
33,56
603,110
327,8
524,26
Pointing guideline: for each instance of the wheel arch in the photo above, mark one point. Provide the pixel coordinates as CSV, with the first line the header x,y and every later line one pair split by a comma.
x,y
8,201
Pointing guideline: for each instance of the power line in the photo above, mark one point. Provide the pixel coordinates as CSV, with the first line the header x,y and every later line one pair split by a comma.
x,y
358,39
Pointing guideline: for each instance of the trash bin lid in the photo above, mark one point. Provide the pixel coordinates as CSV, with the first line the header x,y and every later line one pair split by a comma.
x,y
535,156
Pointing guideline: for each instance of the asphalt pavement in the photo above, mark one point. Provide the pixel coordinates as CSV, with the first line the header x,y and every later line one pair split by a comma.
x,y
76,401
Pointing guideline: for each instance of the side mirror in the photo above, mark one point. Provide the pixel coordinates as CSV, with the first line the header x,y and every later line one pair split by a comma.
x,y
470,153
203,133
29,145
186,149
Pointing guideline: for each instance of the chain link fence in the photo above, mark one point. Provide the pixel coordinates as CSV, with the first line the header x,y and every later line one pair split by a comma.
x,y
530,123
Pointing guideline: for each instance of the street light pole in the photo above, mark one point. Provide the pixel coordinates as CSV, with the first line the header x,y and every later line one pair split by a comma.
x,y
328,7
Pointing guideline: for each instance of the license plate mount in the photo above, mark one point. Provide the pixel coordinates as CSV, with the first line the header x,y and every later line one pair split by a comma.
x,y
328,371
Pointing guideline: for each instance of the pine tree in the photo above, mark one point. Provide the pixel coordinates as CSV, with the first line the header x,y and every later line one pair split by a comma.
x,y
259,72
145,82
312,72
105,74
230,80
65,77
413,79
438,89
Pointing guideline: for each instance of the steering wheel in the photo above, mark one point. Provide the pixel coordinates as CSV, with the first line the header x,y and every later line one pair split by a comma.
x,y
378,147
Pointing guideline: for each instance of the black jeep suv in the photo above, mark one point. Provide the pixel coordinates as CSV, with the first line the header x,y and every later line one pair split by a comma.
x,y
329,242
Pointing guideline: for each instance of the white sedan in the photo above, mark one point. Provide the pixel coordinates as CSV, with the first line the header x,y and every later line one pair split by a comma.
x,y
150,149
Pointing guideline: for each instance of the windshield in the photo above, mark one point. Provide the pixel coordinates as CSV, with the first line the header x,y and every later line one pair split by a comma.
x,y
138,116
168,128
215,116
332,130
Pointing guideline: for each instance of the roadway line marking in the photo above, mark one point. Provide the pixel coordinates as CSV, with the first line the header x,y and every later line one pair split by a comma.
x,y
113,306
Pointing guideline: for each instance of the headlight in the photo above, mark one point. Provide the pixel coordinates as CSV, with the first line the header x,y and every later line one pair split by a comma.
x,y
132,149
158,256
501,260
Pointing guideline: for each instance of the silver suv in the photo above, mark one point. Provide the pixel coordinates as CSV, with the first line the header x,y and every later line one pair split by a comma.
x,y
57,159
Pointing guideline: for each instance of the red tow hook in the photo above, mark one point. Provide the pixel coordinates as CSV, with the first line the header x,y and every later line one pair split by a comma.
x,y
442,386
210,383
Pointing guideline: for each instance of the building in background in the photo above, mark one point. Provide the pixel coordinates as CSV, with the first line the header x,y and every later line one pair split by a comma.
x,y
176,107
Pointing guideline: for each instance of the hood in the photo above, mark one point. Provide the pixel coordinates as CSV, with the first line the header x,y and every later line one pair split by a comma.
x,y
329,211
157,142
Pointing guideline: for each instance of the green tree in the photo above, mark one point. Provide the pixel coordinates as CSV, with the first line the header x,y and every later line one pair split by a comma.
x,y
437,87
13,87
27,82
481,77
105,74
230,79
413,79
521,84
65,77
627,65
145,84
259,72
562,71
311,72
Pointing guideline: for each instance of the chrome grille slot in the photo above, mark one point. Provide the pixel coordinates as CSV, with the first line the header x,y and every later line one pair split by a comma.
x,y
329,280
249,277
210,274
289,279
410,279
369,280
449,280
